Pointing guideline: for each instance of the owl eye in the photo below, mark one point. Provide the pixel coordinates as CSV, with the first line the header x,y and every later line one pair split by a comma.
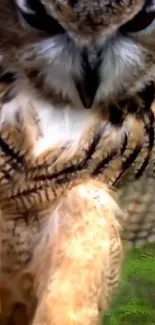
x,y
141,21
33,14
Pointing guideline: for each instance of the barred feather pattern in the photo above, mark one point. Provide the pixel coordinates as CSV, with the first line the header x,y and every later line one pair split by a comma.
x,y
60,223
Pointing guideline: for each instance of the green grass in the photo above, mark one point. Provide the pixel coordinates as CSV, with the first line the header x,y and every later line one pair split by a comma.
x,y
134,302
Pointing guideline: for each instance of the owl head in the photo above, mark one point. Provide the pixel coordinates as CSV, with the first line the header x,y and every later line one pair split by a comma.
x,y
87,52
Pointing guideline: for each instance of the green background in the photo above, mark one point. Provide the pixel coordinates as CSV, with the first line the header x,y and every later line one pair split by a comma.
x,y
134,301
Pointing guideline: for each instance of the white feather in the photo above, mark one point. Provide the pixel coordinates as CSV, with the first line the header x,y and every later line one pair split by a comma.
x,y
60,125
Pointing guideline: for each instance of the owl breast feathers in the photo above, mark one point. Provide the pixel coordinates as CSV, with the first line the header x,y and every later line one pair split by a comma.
x,y
76,153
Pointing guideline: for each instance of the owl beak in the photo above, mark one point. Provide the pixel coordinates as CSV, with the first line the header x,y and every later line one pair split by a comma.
x,y
87,90
88,85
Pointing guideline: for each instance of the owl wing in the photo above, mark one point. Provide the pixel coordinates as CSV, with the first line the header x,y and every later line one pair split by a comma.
x,y
137,199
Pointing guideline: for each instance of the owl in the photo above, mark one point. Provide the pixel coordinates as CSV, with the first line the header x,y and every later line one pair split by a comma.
x,y
76,153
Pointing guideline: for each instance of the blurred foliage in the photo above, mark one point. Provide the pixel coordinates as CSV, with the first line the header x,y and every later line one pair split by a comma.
x,y
134,302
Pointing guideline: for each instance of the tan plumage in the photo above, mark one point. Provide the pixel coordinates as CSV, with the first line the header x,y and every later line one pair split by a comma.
x,y
76,185
47,206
